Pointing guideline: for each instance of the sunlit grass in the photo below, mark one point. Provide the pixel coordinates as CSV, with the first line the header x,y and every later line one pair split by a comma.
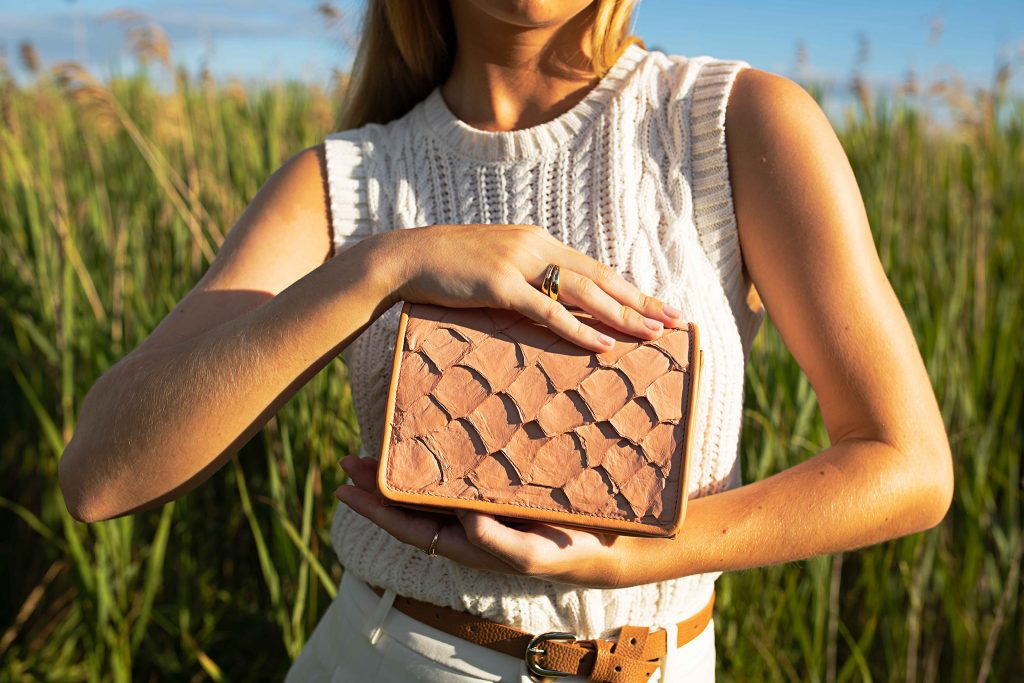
x,y
114,196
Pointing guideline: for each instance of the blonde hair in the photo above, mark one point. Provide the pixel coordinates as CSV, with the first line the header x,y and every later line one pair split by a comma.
x,y
407,48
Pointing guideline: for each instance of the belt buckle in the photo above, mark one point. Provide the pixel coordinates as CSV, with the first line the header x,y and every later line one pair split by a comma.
x,y
536,648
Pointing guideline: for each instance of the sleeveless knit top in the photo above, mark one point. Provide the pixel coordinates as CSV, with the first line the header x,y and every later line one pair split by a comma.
x,y
634,175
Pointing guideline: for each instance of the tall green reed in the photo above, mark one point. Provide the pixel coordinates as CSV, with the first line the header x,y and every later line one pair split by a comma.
x,y
114,200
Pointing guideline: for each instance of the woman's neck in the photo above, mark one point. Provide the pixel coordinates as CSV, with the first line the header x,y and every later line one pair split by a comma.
x,y
508,77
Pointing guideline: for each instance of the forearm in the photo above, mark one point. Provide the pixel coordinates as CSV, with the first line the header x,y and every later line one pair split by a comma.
x,y
160,422
854,494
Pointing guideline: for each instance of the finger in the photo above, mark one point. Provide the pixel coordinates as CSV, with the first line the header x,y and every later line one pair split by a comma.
x,y
406,526
618,287
516,548
362,471
487,544
415,530
541,308
583,292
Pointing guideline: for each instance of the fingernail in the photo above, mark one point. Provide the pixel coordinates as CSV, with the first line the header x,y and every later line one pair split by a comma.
x,y
605,339
652,324
341,494
671,311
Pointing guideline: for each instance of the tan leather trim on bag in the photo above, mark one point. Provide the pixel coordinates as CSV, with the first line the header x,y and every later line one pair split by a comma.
x,y
456,352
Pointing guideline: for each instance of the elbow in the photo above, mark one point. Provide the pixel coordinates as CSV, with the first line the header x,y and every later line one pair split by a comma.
x,y
81,512
82,502
74,499
93,494
932,484
943,492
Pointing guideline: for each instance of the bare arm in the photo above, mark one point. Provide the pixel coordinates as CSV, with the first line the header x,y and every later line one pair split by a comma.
x,y
808,248
270,313
267,315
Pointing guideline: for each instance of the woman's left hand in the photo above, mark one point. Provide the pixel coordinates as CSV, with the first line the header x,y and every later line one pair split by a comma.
x,y
552,552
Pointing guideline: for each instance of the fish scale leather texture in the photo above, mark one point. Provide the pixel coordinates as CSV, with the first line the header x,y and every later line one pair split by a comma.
x,y
492,406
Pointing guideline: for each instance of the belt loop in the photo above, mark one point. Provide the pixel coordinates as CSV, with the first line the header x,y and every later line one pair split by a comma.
x,y
667,662
375,623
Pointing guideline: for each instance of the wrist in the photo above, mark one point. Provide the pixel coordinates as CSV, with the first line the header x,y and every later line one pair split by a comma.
x,y
637,560
618,562
385,266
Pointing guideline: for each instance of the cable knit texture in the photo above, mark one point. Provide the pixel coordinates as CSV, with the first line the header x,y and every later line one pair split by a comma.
x,y
634,175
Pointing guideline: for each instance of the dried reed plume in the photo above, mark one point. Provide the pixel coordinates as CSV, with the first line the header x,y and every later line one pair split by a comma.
x,y
801,57
910,86
88,94
861,90
336,21
29,57
328,11
858,83
146,40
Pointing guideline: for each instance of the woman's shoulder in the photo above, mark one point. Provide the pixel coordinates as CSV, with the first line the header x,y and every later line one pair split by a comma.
x,y
756,90
769,114
744,86
753,108
734,77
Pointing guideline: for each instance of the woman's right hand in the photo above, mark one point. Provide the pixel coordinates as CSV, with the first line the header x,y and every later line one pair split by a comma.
x,y
502,266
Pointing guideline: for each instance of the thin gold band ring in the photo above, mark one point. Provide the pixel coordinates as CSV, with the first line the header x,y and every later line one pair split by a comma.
x,y
432,548
550,284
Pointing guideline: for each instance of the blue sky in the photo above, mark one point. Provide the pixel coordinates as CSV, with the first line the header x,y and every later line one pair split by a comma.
x,y
263,40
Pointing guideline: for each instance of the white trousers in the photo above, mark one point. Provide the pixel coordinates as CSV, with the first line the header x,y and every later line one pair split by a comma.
x,y
362,639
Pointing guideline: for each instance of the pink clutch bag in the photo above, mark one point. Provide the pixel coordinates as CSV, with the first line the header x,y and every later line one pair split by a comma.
x,y
491,411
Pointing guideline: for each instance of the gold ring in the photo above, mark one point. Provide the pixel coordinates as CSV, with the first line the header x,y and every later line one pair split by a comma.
x,y
432,548
550,284
545,283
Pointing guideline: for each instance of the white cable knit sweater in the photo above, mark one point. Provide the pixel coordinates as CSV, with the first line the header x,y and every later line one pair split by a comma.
x,y
634,175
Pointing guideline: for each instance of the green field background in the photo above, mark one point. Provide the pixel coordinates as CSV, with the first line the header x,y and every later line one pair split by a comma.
x,y
114,196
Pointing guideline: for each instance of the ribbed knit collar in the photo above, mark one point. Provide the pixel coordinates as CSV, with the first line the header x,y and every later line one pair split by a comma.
x,y
527,142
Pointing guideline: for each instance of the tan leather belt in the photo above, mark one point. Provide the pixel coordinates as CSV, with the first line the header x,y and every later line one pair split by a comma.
x,y
633,657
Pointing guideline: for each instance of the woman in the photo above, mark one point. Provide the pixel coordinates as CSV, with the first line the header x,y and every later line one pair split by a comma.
x,y
484,141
